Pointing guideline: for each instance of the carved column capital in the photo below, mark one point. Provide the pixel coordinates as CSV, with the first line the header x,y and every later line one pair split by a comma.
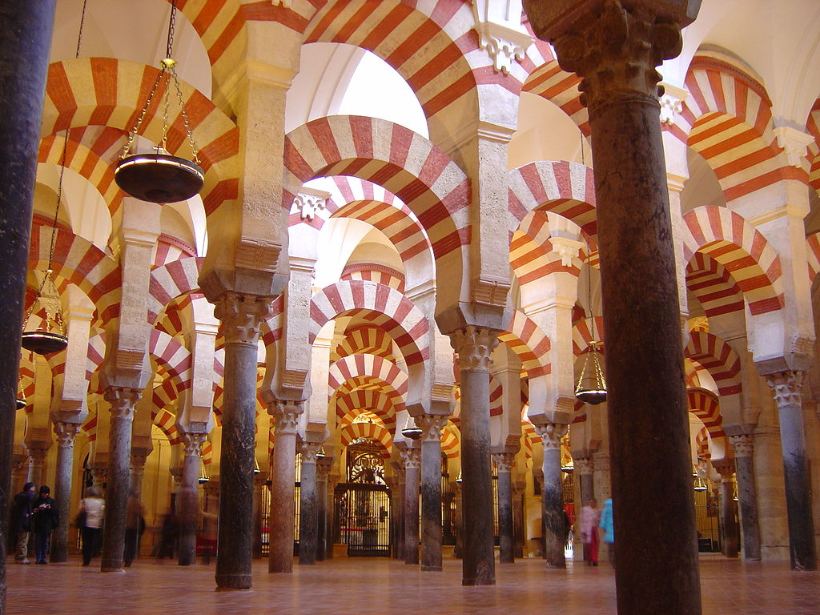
x,y
309,451
410,458
241,317
431,426
65,432
724,467
123,401
504,461
286,415
551,434
474,346
786,387
193,443
744,444
583,465
323,465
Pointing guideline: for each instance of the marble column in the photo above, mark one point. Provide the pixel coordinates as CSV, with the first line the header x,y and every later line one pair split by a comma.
x,y
552,498
615,47
188,498
519,522
65,433
747,493
506,537
137,470
308,506
474,347
332,534
726,468
787,388
431,533
412,466
397,514
24,49
323,464
584,469
123,404
241,316
283,476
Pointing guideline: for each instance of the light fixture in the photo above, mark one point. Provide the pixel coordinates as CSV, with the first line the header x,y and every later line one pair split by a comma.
x,y
21,402
591,387
459,480
320,454
203,473
700,485
159,177
411,430
256,469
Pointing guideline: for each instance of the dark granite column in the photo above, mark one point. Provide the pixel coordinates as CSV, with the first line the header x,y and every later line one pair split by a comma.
x,y
743,443
123,404
615,51
506,538
787,394
431,534
308,506
283,477
474,347
332,535
65,432
188,502
519,489
24,48
397,514
412,466
583,469
552,497
728,522
323,463
241,316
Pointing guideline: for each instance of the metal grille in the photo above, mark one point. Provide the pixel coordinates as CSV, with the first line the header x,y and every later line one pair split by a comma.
x,y
363,518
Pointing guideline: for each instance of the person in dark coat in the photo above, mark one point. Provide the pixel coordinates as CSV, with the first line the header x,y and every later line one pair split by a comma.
x,y
21,522
45,517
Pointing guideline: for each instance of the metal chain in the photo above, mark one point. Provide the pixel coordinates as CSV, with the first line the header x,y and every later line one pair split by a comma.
x,y
132,134
172,21
185,118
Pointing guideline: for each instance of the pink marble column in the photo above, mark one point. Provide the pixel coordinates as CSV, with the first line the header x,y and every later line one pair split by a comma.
x,y
503,463
65,433
412,465
431,534
188,494
283,477
552,498
726,468
743,443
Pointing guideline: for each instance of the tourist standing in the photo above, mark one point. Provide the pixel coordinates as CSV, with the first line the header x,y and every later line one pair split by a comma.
x,y
45,517
589,532
21,519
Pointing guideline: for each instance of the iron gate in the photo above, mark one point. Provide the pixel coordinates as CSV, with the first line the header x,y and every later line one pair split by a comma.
x,y
363,518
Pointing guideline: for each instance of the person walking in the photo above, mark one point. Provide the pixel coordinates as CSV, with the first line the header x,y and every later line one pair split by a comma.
x,y
21,520
589,532
45,517
92,508
608,526
134,525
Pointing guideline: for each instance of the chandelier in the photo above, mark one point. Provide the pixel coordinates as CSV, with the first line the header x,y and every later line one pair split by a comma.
x,y
410,429
159,177
591,386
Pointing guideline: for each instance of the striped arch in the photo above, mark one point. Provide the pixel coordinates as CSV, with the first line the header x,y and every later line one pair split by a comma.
x,y
207,454
702,444
551,82
582,334
170,281
372,272
813,254
564,188
496,397
81,263
371,431
432,185
813,155
713,286
727,119
531,252
171,320
705,405
364,339
451,441
89,428
171,249
402,320
173,357
368,366
528,341
718,358
727,238
352,403
95,355
104,91
273,326
166,421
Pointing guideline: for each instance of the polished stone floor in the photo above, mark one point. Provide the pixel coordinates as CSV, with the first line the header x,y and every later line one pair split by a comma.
x,y
376,586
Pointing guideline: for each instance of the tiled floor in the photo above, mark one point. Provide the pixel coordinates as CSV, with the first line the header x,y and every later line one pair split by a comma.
x,y
376,586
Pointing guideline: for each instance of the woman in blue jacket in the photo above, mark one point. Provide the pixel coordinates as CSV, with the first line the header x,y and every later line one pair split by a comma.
x,y
608,526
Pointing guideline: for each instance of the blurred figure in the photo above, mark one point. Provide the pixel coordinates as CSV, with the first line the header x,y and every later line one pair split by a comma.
x,y
44,519
21,522
134,526
92,510
168,535
608,526
589,532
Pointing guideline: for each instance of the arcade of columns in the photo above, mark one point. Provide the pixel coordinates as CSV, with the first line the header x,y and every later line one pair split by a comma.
x,y
475,335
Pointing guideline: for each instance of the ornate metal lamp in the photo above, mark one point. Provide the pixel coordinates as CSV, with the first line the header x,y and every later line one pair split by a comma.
x,y
159,177
700,484
50,336
591,386
410,429
203,474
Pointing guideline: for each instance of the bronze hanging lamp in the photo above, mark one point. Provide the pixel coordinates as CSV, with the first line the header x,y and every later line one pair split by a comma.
x,y
159,177
410,429
203,473
591,386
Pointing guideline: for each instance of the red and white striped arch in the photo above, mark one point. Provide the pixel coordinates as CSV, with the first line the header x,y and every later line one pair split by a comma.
x,y
166,421
170,281
582,334
496,397
713,286
172,318
718,358
95,355
702,444
450,441
274,323
171,249
727,119
173,357
352,403
813,154
531,251
727,238
551,82
111,92
370,366
813,254
528,341
403,321
364,339
373,272
705,405
371,431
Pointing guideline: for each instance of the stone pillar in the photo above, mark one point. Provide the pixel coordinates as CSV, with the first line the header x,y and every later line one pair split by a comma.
x,y
19,471
412,465
65,432
503,463
99,476
38,451
188,498
123,401
241,316
283,476
431,534
552,498
519,521
323,539
726,468
308,506
333,481
615,51
138,457
584,470
787,394
474,347
747,493
398,515
24,49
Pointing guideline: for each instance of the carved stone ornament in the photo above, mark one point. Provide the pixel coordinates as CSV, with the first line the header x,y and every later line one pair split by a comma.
x,y
551,434
241,316
724,467
503,461
286,414
308,204
474,347
786,387
431,426
501,35
794,144
309,451
743,444
670,108
583,466
411,458
123,401
193,444
65,432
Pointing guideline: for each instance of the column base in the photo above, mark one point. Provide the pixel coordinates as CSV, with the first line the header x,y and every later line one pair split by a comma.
x,y
490,581
232,582
112,568
425,568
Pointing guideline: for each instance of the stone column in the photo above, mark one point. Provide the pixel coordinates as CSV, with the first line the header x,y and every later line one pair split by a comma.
x,y
747,493
787,394
188,502
283,476
65,432
19,471
138,457
431,534
398,515
519,491
503,463
412,465
726,468
552,498
333,481
241,316
615,51
474,347
308,507
38,451
123,401
24,49
323,539
584,471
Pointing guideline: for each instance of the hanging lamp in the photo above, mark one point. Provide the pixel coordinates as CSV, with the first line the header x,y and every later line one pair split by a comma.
x,y
591,386
203,473
159,177
411,430
700,484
